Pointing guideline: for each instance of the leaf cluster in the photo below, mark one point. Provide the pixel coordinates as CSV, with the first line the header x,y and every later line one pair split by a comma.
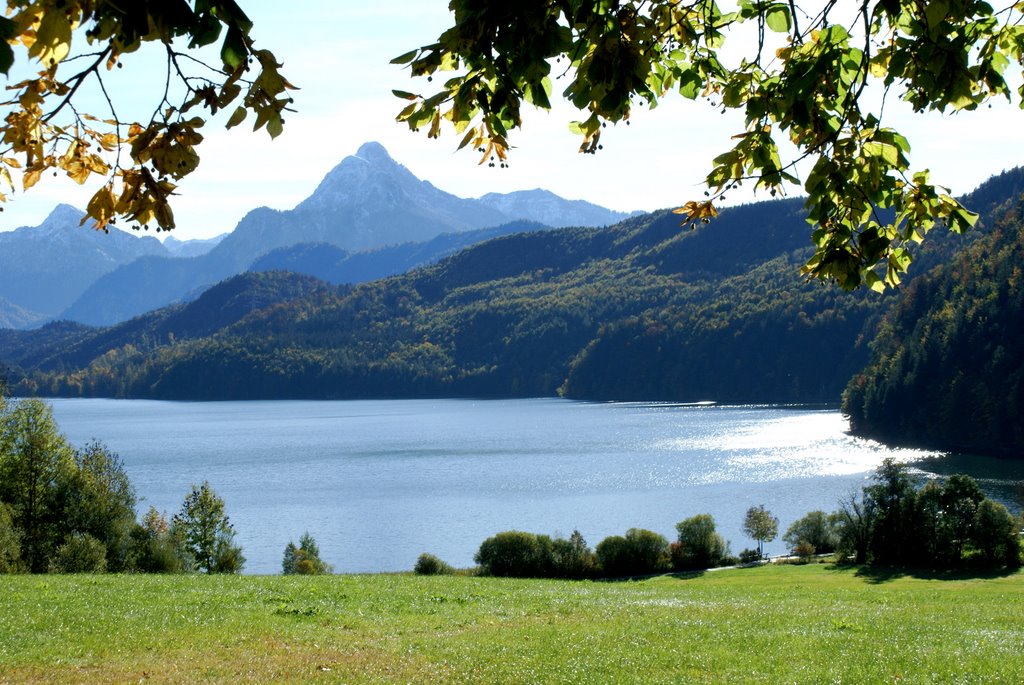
x,y
139,161
803,78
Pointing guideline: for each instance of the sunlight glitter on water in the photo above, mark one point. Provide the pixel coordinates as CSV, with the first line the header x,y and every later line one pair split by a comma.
x,y
792,445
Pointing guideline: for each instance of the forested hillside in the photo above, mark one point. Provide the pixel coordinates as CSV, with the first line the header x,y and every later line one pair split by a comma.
x,y
947,370
644,309
571,310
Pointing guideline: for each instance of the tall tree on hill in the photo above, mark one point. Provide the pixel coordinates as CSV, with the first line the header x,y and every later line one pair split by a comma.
x,y
803,77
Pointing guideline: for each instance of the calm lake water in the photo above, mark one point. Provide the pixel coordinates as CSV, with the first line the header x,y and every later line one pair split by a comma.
x,y
379,482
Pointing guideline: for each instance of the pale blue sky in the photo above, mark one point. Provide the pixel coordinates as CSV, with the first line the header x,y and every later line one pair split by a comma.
x,y
338,54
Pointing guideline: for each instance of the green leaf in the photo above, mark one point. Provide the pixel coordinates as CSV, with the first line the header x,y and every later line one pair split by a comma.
x,y
778,19
237,117
231,14
275,126
467,138
405,95
205,32
406,57
935,12
872,281
7,32
888,153
690,84
234,51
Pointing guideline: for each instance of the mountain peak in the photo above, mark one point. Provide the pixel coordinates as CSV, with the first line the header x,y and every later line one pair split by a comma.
x,y
62,216
374,153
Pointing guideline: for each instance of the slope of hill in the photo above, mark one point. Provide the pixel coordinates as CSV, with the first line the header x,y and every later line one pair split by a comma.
x,y
335,265
191,248
544,207
13,316
64,345
947,369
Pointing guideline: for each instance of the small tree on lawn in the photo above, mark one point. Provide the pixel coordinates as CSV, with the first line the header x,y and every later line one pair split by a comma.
x,y
817,529
760,525
305,559
207,533
698,545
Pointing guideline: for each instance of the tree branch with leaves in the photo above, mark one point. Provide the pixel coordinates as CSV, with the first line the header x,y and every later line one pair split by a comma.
x,y
867,206
139,162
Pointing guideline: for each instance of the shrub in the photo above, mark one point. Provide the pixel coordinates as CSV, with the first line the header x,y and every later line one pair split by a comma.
x,y
155,548
96,497
749,556
572,558
81,553
817,529
996,535
804,550
639,553
515,554
305,559
698,545
429,565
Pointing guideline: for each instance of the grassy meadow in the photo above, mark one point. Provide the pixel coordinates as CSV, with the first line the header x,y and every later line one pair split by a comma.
x,y
775,624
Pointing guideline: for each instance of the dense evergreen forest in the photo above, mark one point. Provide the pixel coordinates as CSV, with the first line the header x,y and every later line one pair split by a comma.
x,y
948,364
644,310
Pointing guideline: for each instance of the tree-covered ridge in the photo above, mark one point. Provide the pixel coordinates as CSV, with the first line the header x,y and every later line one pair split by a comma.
x,y
947,369
520,315
65,345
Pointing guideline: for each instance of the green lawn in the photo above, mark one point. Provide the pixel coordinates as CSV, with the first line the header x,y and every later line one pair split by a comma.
x,y
778,624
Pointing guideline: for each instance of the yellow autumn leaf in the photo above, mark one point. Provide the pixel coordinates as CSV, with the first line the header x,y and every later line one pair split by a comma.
x,y
96,164
53,38
31,178
696,211
101,207
109,141
77,172
164,216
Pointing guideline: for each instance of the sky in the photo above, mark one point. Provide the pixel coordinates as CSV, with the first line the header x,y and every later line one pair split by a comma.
x,y
337,53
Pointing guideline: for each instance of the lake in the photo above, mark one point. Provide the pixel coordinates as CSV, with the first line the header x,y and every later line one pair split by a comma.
x,y
378,482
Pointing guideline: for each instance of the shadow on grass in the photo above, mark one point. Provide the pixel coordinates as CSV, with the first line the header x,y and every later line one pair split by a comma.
x,y
688,575
679,575
884,574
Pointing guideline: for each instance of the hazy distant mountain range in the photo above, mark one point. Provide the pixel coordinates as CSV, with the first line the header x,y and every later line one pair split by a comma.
x,y
367,204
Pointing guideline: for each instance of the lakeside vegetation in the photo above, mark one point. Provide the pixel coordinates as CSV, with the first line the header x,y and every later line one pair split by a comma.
x,y
68,510
801,624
